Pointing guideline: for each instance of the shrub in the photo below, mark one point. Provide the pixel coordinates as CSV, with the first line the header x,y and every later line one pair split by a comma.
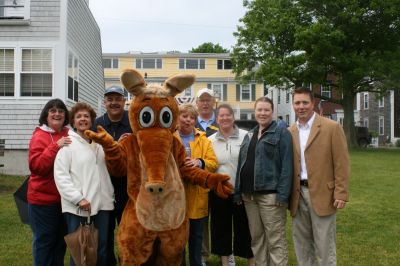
x,y
397,143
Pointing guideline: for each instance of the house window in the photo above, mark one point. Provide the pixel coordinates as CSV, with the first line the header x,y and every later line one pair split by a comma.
x,y
220,91
224,64
381,125
149,63
73,77
366,122
305,85
366,101
191,63
188,92
287,96
7,75
326,91
36,72
14,9
243,116
287,119
279,96
245,93
381,102
110,63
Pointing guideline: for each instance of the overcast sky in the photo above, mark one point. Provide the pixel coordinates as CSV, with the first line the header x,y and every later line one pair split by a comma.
x,y
165,25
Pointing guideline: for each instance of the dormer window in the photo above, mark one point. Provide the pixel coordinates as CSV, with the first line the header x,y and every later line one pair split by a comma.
x,y
224,64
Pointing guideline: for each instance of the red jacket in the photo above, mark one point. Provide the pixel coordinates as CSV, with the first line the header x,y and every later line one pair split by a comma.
x,y
43,149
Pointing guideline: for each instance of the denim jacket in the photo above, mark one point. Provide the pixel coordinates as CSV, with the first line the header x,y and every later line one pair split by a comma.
x,y
273,167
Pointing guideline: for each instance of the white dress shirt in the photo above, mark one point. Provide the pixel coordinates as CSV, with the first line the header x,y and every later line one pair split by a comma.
x,y
304,133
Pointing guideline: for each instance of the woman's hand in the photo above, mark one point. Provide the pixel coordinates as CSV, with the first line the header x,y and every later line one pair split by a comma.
x,y
64,141
84,205
192,162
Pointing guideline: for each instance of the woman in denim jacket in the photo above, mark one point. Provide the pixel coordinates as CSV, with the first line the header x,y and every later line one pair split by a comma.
x,y
263,184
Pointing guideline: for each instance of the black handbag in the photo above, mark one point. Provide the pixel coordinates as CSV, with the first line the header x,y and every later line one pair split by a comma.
x,y
20,198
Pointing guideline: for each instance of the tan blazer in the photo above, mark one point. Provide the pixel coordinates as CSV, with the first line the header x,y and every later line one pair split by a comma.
x,y
327,163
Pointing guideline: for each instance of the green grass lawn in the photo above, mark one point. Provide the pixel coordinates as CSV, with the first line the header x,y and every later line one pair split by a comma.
x,y
368,229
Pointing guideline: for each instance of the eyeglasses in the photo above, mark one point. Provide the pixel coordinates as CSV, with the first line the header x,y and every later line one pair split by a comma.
x,y
56,110
116,99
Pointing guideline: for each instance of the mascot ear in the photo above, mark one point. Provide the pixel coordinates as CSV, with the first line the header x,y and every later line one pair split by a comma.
x,y
133,81
178,83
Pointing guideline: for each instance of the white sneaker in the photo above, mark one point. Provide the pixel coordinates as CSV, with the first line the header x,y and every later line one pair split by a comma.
x,y
231,260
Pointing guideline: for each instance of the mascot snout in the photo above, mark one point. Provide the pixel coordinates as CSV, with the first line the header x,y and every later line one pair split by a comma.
x,y
154,154
154,188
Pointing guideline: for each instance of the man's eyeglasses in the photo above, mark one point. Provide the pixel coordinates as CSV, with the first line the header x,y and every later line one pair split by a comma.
x,y
116,99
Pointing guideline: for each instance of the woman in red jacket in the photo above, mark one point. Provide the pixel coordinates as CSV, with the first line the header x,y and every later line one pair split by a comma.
x,y
47,222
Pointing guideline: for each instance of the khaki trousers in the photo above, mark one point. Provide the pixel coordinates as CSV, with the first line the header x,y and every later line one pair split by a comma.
x,y
314,236
267,224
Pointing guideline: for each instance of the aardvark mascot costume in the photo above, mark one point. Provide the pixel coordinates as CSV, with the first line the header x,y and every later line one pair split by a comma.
x,y
154,226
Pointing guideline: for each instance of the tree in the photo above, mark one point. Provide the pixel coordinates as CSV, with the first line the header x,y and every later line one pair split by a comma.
x,y
352,46
209,47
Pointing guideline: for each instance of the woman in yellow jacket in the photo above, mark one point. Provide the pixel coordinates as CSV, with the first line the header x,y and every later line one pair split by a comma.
x,y
200,153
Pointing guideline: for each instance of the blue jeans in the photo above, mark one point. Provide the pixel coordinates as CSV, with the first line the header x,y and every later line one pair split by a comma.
x,y
48,227
195,241
100,220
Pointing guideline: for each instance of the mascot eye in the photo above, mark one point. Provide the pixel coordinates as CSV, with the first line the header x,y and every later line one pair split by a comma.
x,y
166,117
146,117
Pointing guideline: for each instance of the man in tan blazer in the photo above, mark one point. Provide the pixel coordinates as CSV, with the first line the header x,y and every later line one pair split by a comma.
x,y
320,181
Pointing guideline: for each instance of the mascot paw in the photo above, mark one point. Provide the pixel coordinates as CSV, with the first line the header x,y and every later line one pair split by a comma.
x,y
220,184
224,189
101,137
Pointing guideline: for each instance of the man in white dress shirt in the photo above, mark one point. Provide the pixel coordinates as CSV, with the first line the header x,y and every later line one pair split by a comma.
x,y
320,181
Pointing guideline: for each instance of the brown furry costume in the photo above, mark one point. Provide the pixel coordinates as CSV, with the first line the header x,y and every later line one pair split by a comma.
x,y
154,223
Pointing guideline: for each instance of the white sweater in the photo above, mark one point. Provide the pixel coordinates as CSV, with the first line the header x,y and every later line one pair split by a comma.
x,y
80,172
227,152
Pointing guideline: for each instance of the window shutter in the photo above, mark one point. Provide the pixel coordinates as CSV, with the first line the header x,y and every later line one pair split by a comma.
x,y
209,86
253,92
238,92
225,92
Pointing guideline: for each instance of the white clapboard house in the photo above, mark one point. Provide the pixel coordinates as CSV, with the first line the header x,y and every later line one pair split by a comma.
x,y
48,49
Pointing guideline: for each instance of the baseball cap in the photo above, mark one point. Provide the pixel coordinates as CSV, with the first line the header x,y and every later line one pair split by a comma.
x,y
114,89
205,90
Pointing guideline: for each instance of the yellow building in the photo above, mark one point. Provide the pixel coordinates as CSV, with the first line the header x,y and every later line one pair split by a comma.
x,y
212,70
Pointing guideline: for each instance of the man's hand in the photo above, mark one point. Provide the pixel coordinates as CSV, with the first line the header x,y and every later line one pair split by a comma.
x,y
124,136
339,204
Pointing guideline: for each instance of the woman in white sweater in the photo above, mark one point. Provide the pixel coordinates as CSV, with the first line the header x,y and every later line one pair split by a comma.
x,y
83,181
226,143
